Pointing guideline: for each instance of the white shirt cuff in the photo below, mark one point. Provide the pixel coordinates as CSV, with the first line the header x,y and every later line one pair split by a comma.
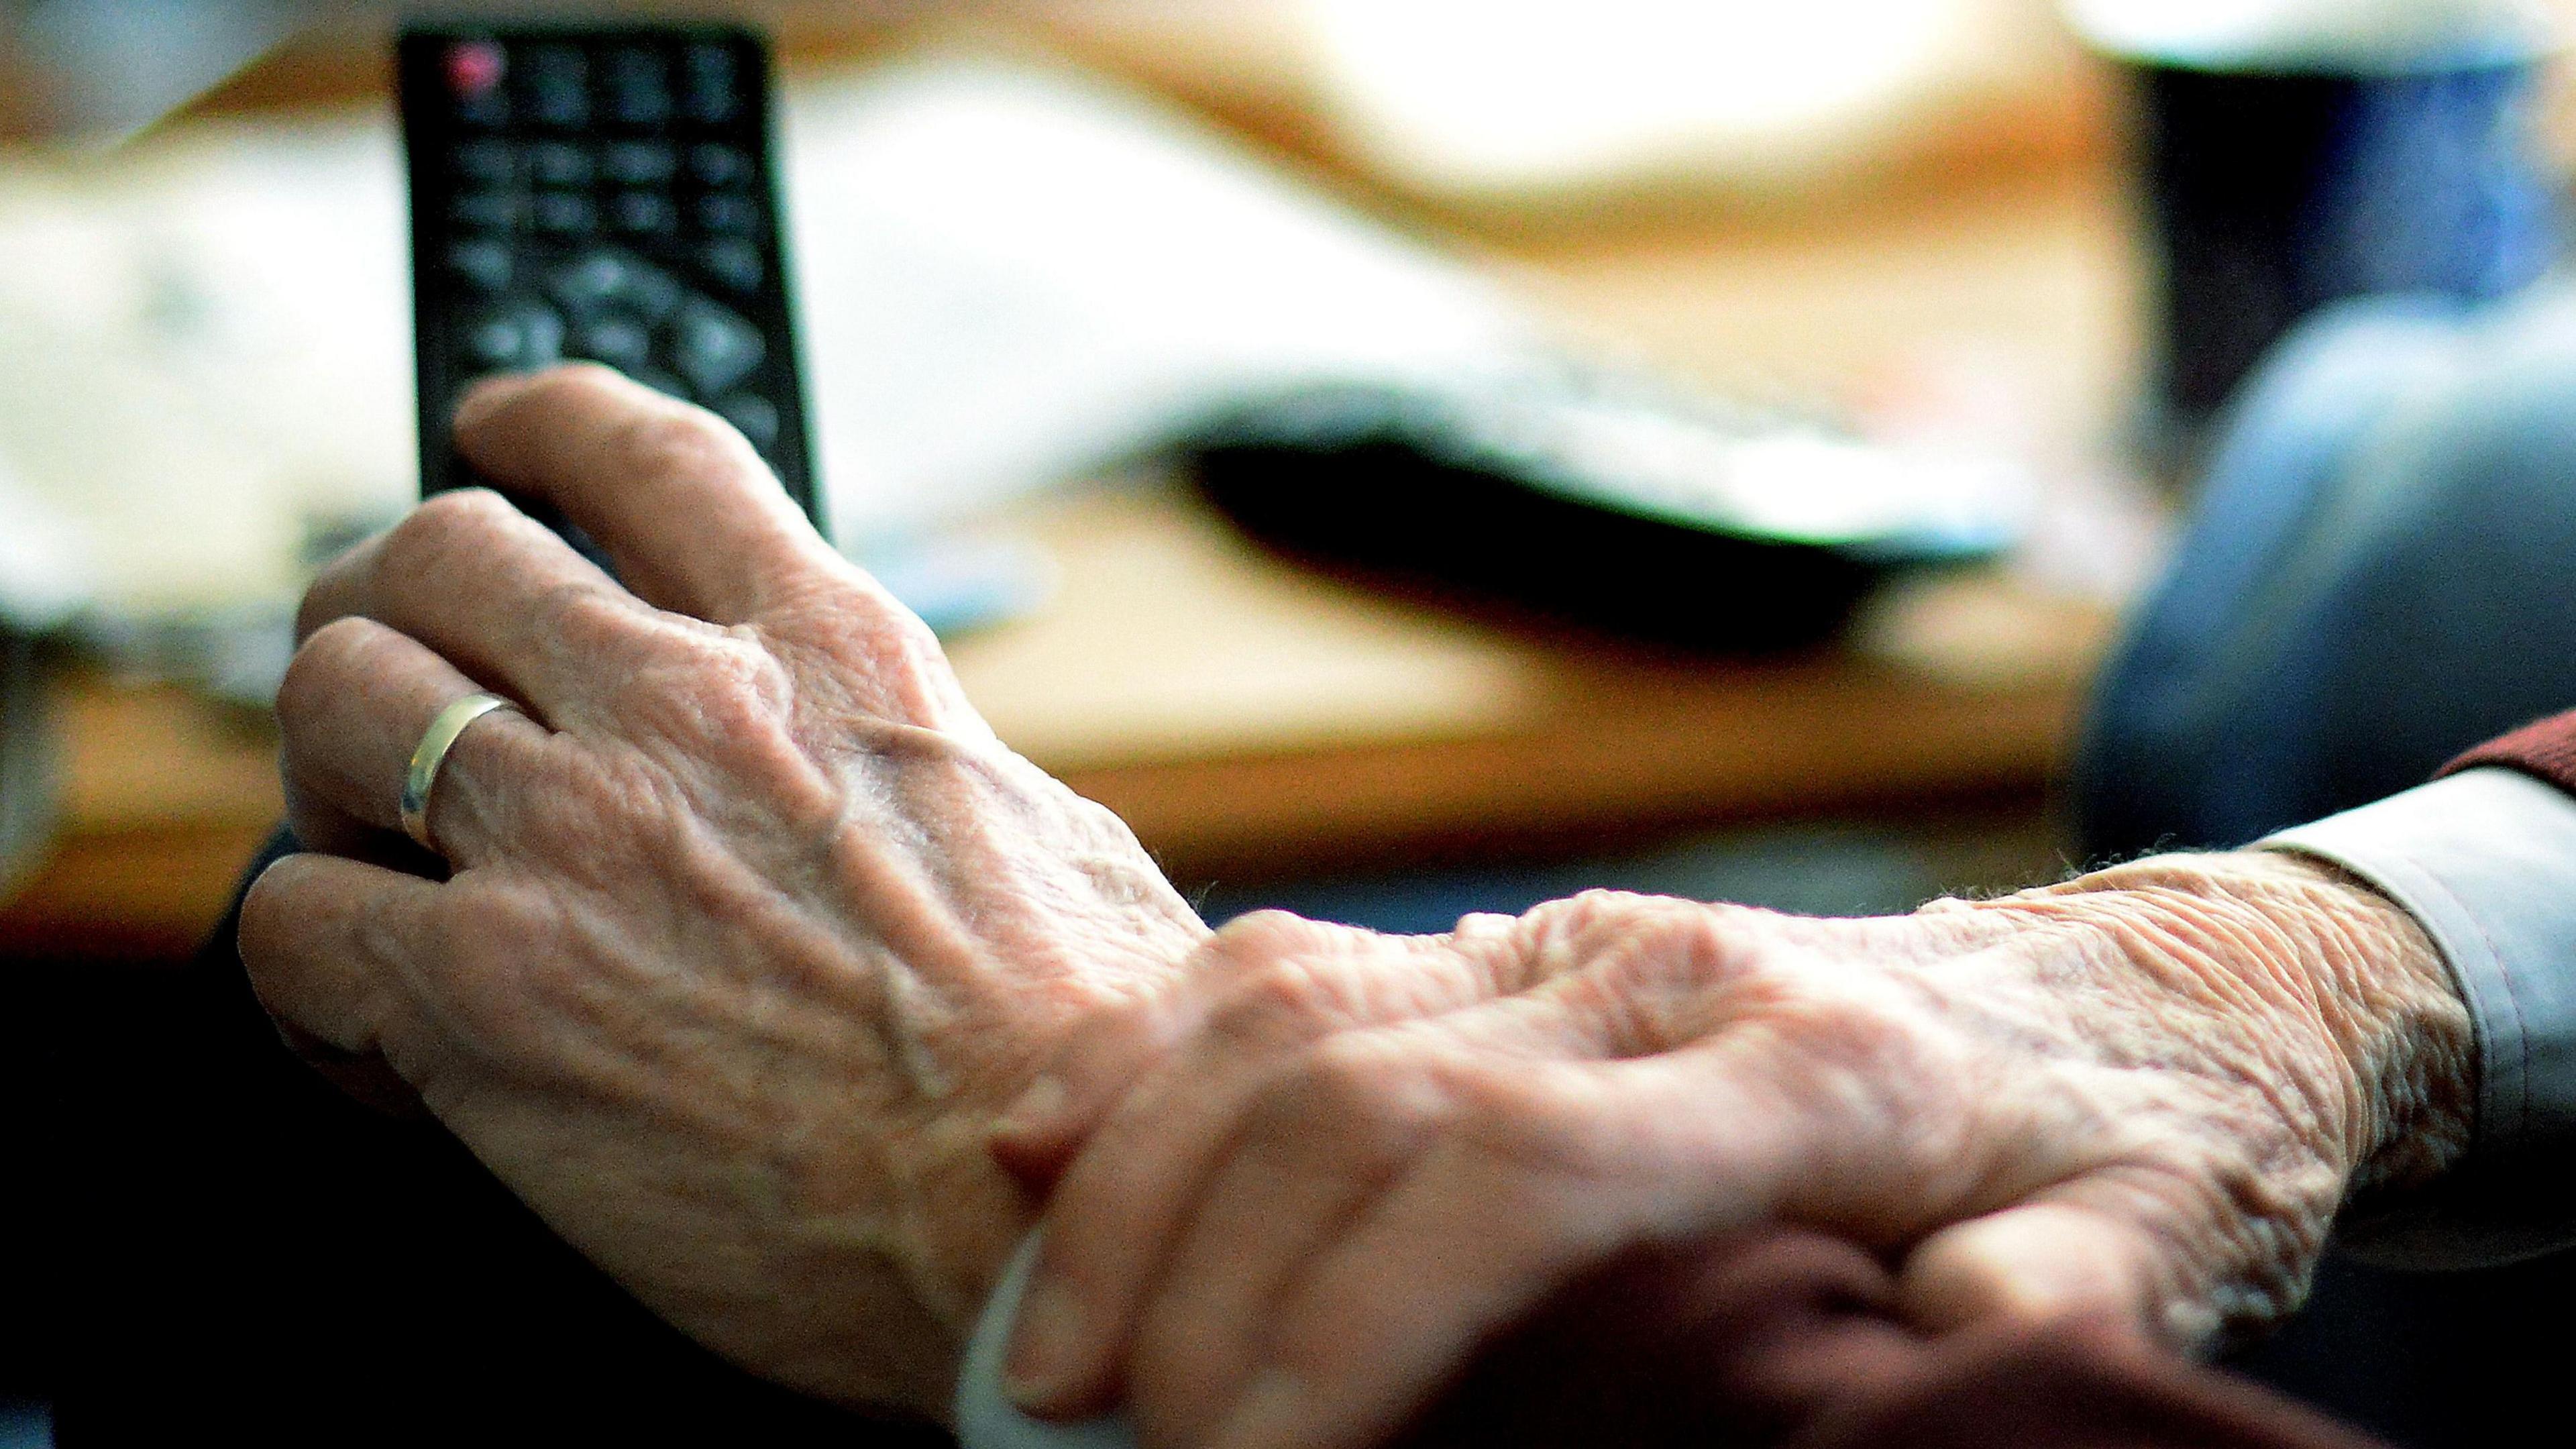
x,y
986,1418
2486,862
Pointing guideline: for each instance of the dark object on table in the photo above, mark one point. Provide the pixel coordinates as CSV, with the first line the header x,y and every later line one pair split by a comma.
x,y
2276,192
1599,502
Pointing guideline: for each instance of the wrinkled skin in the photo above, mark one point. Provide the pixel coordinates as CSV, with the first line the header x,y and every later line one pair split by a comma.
x,y
753,925
783,990
1305,1187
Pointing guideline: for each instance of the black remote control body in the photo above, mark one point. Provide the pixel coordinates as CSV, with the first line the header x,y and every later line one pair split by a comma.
x,y
602,193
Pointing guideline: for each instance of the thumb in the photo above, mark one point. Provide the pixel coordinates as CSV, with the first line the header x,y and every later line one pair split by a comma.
x,y
2039,1261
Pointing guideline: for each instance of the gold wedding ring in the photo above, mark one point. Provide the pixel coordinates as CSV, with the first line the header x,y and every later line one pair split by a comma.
x,y
423,776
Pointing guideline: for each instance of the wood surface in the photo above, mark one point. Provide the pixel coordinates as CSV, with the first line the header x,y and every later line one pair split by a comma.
x,y
1249,719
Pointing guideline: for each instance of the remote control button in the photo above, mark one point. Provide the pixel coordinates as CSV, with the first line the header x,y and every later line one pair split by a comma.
x,y
487,264
590,282
639,88
755,417
486,211
566,213
558,86
621,342
737,264
727,215
719,166
646,213
712,83
516,338
487,163
641,163
652,292
715,349
475,72
559,163
603,280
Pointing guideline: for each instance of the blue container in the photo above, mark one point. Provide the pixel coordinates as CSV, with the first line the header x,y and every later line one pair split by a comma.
x,y
2285,175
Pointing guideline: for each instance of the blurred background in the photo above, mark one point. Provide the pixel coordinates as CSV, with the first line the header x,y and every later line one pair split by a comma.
x,y
1273,402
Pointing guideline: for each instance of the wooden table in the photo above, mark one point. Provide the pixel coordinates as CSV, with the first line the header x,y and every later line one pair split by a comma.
x,y
1247,718
1250,718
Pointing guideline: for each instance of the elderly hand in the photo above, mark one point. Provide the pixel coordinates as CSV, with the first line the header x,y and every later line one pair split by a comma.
x,y
1304,1188
750,924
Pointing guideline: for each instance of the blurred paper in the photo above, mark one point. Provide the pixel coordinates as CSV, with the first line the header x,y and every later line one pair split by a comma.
x,y
44,561
1012,274
204,348
1008,276
1486,98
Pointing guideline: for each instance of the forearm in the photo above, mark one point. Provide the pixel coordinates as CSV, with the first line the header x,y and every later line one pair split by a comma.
x,y
2140,1097
2375,1039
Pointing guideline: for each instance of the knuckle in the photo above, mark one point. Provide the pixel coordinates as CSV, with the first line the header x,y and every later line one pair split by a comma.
x,y
706,690
903,670
737,709
332,661
1251,942
1561,938
461,521
677,442
266,911
586,621
899,640
1676,949
464,516
907,662
1284,1000
1690,948
739,679
1647,976
919,679
1271,977
1361,1088
338,589
711,688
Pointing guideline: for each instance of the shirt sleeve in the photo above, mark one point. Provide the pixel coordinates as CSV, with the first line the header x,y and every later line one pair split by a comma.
x,y
2485,860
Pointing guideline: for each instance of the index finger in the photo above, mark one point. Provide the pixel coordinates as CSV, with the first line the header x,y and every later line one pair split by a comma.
x,y
693,519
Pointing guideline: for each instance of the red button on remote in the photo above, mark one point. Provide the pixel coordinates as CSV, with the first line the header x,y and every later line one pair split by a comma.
x,y
475,68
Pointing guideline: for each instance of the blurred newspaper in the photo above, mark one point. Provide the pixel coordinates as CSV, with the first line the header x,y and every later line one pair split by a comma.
x,y
1010,274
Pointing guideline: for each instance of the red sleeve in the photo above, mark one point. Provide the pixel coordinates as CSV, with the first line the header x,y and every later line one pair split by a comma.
x,y
2546,750
1791,1339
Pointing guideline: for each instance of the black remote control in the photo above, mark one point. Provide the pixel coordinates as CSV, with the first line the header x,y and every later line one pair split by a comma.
x,y
600,193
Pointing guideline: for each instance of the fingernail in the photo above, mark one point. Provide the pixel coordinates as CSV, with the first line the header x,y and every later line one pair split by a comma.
x,y
1042,1344
1035,1108
1274,1411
